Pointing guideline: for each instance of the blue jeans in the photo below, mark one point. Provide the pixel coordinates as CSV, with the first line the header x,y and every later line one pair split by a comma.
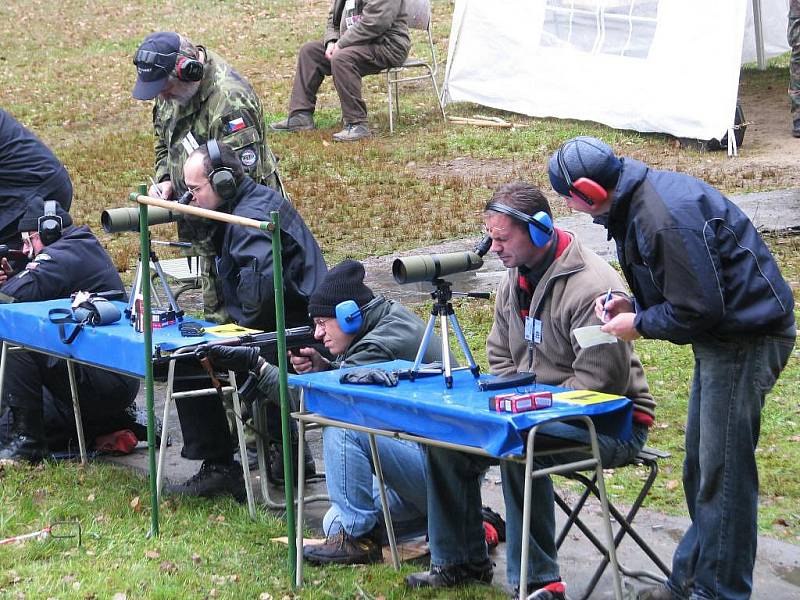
x,y
720,480
455,526
353,489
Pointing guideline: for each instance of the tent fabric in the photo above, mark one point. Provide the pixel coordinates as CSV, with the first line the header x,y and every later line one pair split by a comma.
x,y
667,66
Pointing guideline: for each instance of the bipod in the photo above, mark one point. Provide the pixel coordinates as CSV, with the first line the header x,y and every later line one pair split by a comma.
x,y
443,309
136,291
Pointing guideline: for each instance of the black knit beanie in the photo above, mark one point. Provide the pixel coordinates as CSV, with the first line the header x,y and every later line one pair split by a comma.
x,y
343,282
34,210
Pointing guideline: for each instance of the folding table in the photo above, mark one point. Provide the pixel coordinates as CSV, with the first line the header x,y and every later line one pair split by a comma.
x,y
427,412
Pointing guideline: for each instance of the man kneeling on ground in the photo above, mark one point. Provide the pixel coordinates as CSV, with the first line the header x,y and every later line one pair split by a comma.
x,y
387,331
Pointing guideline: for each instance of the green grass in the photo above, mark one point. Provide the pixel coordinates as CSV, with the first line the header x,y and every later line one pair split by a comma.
x,y
66,72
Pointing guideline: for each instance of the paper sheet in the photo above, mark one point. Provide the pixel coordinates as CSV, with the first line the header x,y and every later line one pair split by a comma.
x,y
592,336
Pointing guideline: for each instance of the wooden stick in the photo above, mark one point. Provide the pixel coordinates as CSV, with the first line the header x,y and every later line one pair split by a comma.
x,y
202,212
479,122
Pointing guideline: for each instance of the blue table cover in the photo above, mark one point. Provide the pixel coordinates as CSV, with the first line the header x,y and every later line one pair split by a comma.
x,y
458,415
117,346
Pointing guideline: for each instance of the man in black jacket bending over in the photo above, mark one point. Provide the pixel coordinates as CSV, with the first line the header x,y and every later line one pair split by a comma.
x,y
215,177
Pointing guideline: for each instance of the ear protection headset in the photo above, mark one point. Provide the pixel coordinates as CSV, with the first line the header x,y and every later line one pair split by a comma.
x,y
350,316
186,68
49,224
222,179
583,189
540,225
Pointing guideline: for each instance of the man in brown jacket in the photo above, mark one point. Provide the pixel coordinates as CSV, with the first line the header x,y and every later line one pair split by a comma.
x,y
552,282
363,37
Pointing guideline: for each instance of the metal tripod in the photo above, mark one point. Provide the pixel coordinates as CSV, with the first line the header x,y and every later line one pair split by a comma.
x,y
137,288
443,308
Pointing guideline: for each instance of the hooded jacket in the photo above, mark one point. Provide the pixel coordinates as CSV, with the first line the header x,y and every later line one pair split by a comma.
x,y
695,263
564,300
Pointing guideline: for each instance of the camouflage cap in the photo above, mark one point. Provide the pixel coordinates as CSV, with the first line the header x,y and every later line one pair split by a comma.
x,y
155,60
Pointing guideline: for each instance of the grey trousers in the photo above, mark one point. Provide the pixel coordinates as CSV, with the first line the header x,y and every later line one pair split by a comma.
x,y
348,66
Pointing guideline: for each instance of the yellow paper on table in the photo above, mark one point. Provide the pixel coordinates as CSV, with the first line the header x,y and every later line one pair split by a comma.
x,y
585,397
230,330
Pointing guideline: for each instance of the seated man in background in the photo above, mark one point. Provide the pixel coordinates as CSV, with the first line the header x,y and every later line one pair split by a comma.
x,y
64,259
28,170
550,287
216,179
379,330
361,38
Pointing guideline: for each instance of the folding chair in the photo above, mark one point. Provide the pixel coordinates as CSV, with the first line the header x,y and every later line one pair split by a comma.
x,y
186,271
647,457
419,17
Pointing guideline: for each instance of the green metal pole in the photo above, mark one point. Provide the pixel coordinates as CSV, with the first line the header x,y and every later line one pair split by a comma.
x,y
280,328
147,321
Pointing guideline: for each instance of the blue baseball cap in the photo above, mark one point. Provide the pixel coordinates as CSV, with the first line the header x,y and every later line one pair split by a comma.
x,y
583,156
155,60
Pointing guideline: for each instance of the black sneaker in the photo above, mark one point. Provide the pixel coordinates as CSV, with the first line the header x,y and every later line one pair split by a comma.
x,y
344,549
552,591
23,449
275,463
659,592
213,479
452,575
796,128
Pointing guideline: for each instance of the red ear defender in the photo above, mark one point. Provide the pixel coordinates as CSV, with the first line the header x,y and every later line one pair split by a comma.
x,y
589,191
188,68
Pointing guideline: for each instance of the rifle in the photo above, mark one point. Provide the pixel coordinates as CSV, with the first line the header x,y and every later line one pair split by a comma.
x,y
296,337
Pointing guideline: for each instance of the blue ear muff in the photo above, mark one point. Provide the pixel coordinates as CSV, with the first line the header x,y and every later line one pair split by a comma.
x,y
540,225
541,229
348,316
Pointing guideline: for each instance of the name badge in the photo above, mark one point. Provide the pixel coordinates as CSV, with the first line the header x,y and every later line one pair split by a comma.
x,y
533,330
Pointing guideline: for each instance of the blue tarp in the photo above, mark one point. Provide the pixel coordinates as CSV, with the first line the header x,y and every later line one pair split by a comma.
x,y
459,415
117,347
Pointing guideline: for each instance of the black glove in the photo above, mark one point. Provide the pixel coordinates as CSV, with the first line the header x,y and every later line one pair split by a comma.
x,y
234,358
366,375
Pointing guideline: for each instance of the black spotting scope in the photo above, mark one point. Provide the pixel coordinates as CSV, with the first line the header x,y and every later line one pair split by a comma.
x,y
115,220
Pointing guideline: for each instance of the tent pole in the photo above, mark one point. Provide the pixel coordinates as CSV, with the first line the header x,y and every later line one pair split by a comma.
x,y
759,33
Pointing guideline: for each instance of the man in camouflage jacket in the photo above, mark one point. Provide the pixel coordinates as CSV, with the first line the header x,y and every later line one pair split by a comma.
x,y
198,96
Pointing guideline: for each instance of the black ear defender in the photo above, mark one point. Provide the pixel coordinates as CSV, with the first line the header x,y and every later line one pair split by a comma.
x,y
49,224
350,316
540,225
584,189
221,178
186,68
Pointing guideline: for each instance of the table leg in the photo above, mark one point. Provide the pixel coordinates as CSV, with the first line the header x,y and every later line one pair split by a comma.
x,y
237,410
601,486
3,372
387,516
526,516
301,474
76,407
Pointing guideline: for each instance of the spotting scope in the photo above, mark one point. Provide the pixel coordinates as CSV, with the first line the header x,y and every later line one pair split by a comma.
x,y
115,220
427,267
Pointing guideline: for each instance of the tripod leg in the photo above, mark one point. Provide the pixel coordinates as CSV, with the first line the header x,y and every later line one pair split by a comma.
x,y
423,345
447,368
135,290
173,304
462,341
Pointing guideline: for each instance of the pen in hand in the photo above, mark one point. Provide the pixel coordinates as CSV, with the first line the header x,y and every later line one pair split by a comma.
x,y
605,310
158,189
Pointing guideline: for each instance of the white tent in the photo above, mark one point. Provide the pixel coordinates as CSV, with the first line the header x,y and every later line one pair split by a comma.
x,y
668,66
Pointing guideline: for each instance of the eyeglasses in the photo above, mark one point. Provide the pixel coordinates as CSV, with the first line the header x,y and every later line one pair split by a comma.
x,y
321,323
193,189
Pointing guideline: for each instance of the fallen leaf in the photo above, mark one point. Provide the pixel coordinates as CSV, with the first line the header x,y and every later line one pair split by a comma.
x,y
265,596
69,579
672,484
196,559
90,498
152,554
136,504
168,566
781,522
120,596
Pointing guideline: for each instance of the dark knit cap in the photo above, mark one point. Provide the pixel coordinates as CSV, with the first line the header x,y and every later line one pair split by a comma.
x,y
584,156
343,282
35,209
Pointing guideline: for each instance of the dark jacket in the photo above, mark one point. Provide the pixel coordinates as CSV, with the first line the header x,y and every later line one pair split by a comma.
x,y
76,262
381,22
27,168
695,263
245,264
